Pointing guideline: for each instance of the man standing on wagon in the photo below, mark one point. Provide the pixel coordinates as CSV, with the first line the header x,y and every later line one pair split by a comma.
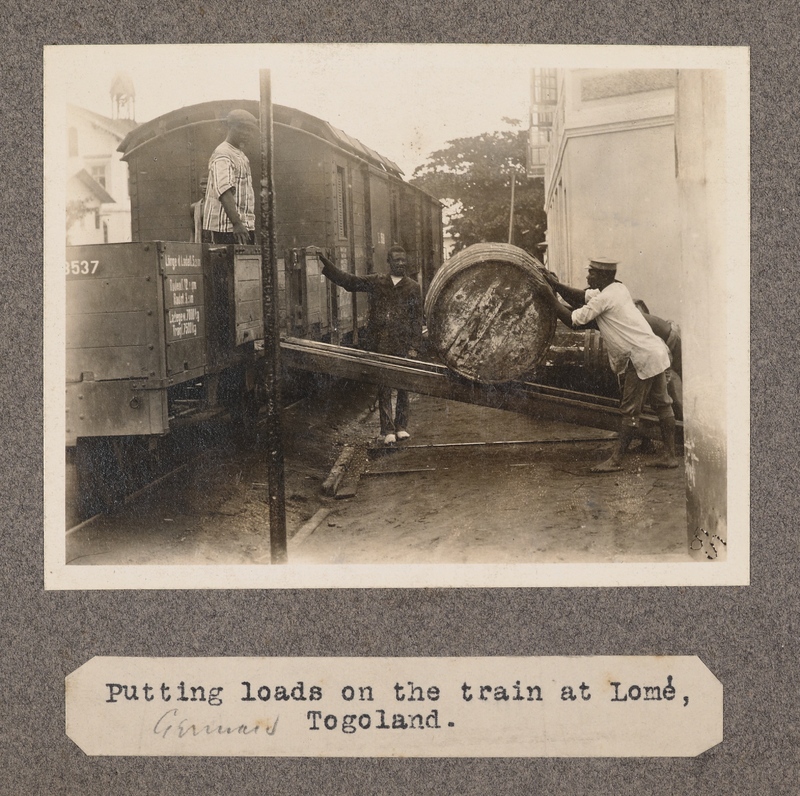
x,y
394,326
229,209
635,353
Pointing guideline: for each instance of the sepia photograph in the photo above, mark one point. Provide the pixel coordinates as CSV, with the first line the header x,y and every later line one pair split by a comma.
x,y
396,315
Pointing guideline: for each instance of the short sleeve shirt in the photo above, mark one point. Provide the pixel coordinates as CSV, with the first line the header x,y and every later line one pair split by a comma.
x,y
229,168
625,332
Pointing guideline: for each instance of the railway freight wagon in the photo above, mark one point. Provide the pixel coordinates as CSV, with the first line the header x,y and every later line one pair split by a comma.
x,y
331,191
156,333
163,330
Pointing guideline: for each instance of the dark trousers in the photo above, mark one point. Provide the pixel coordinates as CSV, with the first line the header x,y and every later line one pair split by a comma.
x,y
209,236
385,410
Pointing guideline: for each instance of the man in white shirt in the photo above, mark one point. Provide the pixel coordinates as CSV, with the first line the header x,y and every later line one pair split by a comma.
x,y
635,353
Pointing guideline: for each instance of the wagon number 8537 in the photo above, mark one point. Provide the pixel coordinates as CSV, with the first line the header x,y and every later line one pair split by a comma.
x,y
81,266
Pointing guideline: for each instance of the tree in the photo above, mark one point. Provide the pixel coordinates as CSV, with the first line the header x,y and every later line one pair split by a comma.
x,y
472,176
76,210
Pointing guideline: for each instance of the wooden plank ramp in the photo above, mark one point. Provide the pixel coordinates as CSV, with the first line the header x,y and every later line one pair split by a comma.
x,y
428,378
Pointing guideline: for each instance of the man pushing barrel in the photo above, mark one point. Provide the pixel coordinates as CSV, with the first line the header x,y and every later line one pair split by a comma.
x,y
394,326
635,353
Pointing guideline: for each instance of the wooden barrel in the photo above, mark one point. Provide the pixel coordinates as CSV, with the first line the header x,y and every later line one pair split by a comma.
x,y
488,314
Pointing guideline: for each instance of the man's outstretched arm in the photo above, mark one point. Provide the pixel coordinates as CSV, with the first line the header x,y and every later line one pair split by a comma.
x,y
350,282
574,296
563,313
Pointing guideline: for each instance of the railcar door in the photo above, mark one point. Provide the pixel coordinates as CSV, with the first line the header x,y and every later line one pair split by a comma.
x,y
380,221
344,300
247,286
307,296
297,309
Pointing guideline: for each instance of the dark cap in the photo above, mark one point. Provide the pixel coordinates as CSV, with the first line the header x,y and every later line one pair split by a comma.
x,y
241,118
603,264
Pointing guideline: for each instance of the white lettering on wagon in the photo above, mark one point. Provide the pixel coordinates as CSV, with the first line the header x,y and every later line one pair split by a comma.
x,y
175,261
182,290
184,322
78,267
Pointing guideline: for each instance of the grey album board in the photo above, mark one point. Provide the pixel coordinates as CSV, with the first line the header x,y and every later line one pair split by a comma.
x,y
744,634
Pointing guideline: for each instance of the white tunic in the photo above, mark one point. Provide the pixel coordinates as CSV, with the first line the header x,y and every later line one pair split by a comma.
x,y
625,332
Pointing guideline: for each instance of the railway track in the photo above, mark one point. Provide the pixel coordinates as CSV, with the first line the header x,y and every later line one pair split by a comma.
x,y
130,487
133,496
538,400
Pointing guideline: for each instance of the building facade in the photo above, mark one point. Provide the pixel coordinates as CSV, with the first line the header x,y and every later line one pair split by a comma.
x,y
98,203
636,167
604,140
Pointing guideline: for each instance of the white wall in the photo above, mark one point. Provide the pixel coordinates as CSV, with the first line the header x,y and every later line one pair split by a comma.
x,y
611,186
622,202
97,147
705,205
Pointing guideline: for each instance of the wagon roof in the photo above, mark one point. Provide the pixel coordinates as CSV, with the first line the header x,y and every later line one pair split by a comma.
x,y
219,109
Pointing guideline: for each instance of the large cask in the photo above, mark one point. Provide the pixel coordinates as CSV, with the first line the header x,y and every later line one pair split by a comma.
x,y
488,313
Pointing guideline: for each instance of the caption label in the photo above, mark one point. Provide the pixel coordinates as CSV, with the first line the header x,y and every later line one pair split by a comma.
x,y
382,707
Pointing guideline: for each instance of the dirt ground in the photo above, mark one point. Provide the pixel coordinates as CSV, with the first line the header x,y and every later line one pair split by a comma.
x,y
451,494
472,485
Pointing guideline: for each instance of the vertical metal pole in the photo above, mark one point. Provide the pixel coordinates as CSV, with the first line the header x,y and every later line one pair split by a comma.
x,y
272,340
511,214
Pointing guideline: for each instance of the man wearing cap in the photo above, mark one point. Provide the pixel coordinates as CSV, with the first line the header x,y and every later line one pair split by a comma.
x,y
394,326
635,353
230,204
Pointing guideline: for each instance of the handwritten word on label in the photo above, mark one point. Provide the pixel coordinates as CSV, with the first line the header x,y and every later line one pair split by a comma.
x,y
410,707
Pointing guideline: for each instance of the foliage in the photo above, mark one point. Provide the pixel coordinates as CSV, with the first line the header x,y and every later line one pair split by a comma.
x,y
76,210
472,176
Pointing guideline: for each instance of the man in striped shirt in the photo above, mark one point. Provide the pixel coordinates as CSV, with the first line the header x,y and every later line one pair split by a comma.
x,y
230,204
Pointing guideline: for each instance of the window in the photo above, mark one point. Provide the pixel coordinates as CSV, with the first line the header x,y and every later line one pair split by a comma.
x,y
99,174
341,205
105,232
72,138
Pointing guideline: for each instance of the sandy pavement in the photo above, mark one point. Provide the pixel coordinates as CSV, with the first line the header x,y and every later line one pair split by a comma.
x,y
448,495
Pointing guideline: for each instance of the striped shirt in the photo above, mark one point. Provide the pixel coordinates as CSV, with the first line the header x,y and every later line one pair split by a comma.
x,y
229,168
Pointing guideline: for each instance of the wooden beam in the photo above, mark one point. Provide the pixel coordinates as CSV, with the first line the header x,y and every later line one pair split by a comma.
x,y
539,401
